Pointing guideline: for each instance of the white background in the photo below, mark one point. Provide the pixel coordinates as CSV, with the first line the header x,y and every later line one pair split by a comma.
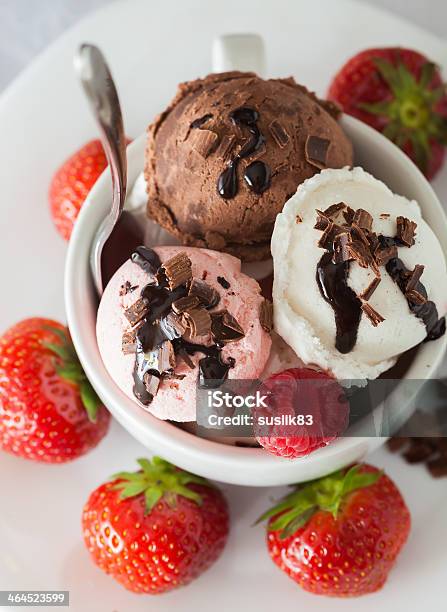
x,y
27,26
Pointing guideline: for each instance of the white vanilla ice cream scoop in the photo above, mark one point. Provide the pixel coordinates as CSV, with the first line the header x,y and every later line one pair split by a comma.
x,y
351,316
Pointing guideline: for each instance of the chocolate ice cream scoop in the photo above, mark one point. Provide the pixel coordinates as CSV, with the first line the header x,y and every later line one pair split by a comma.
x,y
228,152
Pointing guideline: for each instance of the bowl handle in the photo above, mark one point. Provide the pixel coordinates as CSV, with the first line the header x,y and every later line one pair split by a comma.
x,y
243,52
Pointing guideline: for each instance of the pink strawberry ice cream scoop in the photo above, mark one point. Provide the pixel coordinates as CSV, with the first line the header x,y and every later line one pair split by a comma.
x,y
172,318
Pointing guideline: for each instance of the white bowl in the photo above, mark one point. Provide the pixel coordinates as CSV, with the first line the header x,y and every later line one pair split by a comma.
x,y
245,466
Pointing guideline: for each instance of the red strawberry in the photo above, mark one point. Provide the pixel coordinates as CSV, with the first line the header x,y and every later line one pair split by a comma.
x,y
400,93
48,410
156,529
340,535
72,182
314,403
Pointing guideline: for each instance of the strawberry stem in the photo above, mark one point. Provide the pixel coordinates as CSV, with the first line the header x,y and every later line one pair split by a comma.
x,y
326,494
69,368
158,478
411,114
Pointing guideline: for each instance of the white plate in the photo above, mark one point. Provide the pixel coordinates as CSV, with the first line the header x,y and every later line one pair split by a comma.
x,y
43,118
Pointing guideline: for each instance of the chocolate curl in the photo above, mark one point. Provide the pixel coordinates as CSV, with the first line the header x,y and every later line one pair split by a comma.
x,y
198,322
266,315
135,313
363,219
372,314
383,255
316,151
406,231
414,278
185,304
176,271
207,295
368,292
225,328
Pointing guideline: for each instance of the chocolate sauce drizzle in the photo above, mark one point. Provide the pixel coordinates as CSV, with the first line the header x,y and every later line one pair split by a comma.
x,y
197,123
155,330
427,312
257,175
332,280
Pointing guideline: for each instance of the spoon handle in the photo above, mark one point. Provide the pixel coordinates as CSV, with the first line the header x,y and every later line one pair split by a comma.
x,y
101,93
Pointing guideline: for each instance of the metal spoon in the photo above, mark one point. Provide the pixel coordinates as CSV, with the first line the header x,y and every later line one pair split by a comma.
x,y
119,234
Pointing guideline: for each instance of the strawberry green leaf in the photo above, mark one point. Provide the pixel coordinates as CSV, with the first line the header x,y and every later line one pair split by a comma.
x,y
70,369
131,476
325,494
146,466
132,489
427,74
61,351
189,494
389,73
298,522
377,108
355,480
71,372
90,400
152,496
158,478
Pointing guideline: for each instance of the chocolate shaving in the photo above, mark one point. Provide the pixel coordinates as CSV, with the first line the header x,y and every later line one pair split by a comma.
x,y
360,252
225,328
431,451
406,231
322,221
207,295
330,233
266,315
438,467
358,233
383,255
419,451
341,247
129,341
316,150
151,382
363,219
226,147
372,314
373,241
135,313
298,219
279,134
204,142
173,326
185,304
223,282
368,292
415,297
176,271
166,357
385,215
348,214
334,209
127,288
198,321
414,278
